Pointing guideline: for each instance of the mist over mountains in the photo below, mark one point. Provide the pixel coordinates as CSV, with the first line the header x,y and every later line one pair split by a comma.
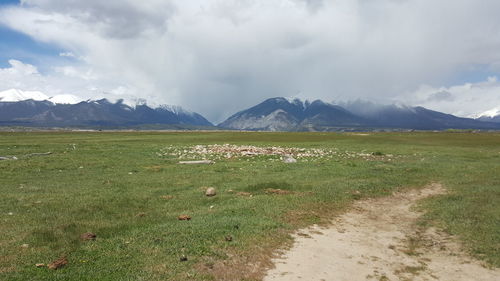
x,y
24,108
282,114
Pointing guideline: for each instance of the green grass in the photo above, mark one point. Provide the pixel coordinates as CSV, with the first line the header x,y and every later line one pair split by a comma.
x,y
100,182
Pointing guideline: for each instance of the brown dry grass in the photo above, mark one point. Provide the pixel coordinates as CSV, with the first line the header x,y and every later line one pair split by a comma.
x,y
250,263
154,168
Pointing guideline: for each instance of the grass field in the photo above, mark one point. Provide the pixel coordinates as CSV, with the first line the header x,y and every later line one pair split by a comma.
x,y
127,188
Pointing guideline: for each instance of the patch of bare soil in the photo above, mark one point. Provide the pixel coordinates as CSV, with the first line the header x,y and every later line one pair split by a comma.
x,y
379,240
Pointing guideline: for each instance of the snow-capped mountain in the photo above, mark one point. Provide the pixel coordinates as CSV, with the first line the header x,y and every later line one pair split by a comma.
x,y
27,108
403,116
14,95
492,115
65,99
33,108
281,114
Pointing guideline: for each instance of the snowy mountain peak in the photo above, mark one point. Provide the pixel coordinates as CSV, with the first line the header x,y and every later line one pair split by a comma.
x,y
293,100
65,99
15,95
175,109
488,114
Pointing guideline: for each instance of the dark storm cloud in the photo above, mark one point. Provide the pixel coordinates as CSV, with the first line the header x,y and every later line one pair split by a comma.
x,y
217,57
114,19
440,96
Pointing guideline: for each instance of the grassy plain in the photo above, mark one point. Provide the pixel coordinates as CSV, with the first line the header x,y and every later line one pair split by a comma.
x,y
114,183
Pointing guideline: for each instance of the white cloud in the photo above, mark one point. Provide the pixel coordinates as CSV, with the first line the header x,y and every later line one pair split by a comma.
x,y
74,72
218,56
18,75
465,100
19,69
67,54
66,80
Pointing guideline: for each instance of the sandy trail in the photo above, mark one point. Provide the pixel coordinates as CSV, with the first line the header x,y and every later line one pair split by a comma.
x,y
379,240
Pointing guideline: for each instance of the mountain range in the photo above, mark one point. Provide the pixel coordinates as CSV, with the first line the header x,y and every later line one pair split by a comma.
x,y
282,114
22,108
63,112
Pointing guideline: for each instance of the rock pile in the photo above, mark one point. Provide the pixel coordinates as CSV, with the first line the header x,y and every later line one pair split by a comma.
x,y
228,151
207,154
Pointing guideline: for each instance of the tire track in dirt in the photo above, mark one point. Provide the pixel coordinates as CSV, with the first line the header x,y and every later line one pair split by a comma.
x,y
378,239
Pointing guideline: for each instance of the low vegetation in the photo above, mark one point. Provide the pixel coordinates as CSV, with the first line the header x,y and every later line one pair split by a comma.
x,y
128,190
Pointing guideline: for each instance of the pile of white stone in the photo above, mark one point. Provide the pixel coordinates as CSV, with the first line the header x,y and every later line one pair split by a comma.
x,y
213,152
230,151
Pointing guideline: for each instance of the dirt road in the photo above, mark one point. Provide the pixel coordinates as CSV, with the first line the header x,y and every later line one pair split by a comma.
x,y
379,240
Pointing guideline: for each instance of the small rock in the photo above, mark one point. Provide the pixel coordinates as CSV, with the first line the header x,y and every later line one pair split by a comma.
x,y
39,265
58,263
10,213
88,236
210,192
25,246
229,238
289,159
184,218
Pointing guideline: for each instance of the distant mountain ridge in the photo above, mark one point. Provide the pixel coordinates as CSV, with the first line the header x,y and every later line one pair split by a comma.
x,y
33,108
93,113
282,114
492,115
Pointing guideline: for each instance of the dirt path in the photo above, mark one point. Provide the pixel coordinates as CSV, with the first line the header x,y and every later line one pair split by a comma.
x,y
379,240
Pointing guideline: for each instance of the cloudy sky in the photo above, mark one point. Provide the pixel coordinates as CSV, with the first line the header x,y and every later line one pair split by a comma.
x,y
220,56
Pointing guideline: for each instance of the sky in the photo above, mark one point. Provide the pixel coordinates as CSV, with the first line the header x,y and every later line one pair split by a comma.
x,y
217,57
